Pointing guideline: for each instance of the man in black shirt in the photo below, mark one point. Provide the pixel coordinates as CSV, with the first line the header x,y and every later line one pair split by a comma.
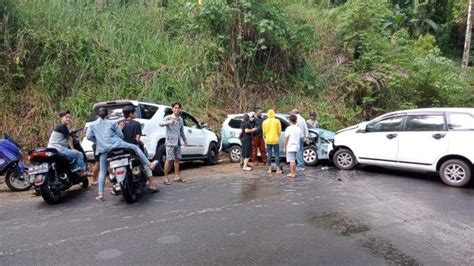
x,y
132,132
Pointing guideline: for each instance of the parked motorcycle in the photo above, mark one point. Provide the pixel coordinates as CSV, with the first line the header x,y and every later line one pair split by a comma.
x,y
128,173
51,172
15,171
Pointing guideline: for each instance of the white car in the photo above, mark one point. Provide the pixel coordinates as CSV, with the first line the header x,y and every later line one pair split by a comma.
x,y
433,140
202,142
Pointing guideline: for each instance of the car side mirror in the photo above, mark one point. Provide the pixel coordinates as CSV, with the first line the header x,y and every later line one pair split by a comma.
x,y
204,125
362,128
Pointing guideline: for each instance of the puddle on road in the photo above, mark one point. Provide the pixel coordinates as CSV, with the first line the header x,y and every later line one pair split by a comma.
x,y
338,223
342,224
252,189
384,249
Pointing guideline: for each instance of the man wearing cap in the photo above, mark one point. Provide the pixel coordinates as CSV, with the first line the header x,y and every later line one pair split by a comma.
x,y
258,143
301,123
312,121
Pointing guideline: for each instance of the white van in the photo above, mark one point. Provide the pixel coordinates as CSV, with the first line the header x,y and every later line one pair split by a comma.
x,y
433,139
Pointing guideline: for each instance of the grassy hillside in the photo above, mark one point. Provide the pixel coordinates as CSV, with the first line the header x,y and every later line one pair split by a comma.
x,y
217,58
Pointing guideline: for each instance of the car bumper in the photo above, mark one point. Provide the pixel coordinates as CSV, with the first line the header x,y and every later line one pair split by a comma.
x,y
330,148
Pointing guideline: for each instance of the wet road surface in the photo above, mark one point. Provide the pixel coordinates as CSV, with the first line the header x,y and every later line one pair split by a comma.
x,y
222,215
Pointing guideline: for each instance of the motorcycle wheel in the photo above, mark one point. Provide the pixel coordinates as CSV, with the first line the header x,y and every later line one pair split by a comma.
x,y
51,196
128,191
18,180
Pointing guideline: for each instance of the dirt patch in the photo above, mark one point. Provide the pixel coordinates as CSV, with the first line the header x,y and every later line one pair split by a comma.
x,y
384,249
338,223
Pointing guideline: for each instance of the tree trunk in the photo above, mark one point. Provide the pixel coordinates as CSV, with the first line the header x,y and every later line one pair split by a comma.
x,y
467,43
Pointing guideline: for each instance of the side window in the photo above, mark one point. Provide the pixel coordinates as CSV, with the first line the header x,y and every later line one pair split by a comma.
x,y
388,124
425,123
189,121
461,121
148,111
235,122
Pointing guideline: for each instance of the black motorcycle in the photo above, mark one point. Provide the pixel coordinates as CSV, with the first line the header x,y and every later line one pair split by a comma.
x,y
128,173
51,172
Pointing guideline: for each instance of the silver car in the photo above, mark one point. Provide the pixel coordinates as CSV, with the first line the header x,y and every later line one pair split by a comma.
x,y
315,151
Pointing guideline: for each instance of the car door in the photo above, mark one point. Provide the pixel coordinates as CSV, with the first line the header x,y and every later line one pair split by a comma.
x,y
195,135
379,142
284,125
423,139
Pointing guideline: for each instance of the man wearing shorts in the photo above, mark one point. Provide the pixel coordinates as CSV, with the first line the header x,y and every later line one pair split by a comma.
x,y
174,138
293,135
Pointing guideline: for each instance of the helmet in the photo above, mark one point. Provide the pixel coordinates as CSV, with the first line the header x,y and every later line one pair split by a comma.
x,y
252,114
313,113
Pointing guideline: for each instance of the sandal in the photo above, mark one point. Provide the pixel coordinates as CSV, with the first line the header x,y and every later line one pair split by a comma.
x,y
166,182
182,180
247,169
100,198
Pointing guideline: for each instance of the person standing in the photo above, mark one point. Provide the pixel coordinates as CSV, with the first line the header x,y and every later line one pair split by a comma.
x,y
62,141
246,139
312,121
174,139
258,143
271,129
293,135
107,135
301,123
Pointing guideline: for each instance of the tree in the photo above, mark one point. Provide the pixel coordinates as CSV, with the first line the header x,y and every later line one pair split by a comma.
x,y
467,43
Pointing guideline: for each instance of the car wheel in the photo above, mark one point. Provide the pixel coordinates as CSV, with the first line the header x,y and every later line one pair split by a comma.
x,y
160,155
235,154
344,159
212,154
310,156
456,173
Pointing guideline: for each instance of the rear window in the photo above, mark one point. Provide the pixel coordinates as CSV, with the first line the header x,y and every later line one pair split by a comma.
x,y
147,111
115,111
461,121
235,122
424,123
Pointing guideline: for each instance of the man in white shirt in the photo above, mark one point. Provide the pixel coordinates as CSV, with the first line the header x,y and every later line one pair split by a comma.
x,y
293,135
301,123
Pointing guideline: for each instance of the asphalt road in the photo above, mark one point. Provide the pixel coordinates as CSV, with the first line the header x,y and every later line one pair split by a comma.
x,y
222,215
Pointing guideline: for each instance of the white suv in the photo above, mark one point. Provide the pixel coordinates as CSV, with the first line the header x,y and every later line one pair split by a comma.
x,y
434,139
202,142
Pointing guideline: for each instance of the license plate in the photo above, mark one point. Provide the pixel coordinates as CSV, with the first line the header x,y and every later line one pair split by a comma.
x,y
38,169
119,163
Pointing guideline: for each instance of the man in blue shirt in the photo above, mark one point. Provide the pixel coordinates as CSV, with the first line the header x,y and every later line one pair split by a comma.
x,y
108,136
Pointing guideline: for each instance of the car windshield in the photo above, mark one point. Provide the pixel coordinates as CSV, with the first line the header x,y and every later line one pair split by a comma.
x,y
115,111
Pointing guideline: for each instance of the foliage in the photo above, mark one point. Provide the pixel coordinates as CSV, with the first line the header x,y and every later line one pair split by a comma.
x,y
349,60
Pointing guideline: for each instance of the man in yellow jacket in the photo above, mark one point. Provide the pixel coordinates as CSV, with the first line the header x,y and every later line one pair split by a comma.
x,y
271,129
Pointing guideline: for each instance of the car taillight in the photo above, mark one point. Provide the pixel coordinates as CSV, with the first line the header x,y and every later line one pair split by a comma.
x,y
40,154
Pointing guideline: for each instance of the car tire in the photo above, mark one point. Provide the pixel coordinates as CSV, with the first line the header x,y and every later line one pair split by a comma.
x,y
235,154
212,154
455,173
344,159
160,155
310,156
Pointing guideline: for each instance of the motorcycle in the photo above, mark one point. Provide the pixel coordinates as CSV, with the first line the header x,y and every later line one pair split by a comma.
x,y
51,172
128,173
15,171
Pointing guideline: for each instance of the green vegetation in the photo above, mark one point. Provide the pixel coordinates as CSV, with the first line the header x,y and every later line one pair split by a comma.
x,y
348,60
